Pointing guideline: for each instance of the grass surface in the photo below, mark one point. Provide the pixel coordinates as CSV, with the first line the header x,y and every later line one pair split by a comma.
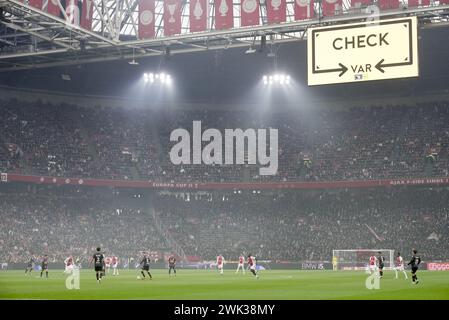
x,y
208,284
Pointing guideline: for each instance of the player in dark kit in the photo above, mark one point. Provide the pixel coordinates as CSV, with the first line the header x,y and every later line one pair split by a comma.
x,y
44,266
171,265
381,264
98,259
29,267
414,263
146,266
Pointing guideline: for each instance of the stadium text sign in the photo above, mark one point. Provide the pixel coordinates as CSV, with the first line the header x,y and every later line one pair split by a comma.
x,y
365,51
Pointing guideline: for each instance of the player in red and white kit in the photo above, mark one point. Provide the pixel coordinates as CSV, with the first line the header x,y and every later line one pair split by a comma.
x,y
220,263
68,264
107,262
241,264
372,264
114,263
252,266
400,266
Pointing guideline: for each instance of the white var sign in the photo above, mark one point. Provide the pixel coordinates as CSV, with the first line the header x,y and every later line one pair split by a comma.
x,y
373,50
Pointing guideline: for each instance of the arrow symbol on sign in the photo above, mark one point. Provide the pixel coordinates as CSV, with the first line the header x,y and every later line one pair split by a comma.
x,y
342,70
381,65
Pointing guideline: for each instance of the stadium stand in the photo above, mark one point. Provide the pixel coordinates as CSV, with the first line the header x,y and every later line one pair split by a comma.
x,y
307,225
277,226
320,145
315,145
61,222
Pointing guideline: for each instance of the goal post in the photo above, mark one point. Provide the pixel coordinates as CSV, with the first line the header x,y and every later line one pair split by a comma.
x,y
358,259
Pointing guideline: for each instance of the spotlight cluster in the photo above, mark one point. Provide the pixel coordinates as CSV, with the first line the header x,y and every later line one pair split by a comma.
x,y
282,79
157,77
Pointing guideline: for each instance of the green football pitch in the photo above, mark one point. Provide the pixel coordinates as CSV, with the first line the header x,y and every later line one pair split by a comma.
x,y
208,284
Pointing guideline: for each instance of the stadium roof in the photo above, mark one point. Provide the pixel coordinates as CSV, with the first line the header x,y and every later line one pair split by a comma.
x,y
32,38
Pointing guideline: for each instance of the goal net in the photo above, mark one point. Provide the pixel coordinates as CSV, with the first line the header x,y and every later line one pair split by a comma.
x,y
358,259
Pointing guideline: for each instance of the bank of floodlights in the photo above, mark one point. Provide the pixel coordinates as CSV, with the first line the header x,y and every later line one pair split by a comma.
x,y
276,79
161,78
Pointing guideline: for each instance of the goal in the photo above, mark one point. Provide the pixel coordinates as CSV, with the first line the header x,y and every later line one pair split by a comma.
x,y
358,259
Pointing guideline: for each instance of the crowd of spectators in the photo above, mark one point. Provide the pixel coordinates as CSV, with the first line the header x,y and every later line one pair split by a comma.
x,y
308,225
48,222
292,225
314,145
329,145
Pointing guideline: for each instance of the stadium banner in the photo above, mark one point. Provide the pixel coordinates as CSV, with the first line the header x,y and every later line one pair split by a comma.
x,y
249,13
276,11
73,11
438,266
36,3
224,15
86,15
360,3
388,4
12,177
422,181
201,265
304,9
4,177
172,17
199,10
146,19
416,3
332,7
53,7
